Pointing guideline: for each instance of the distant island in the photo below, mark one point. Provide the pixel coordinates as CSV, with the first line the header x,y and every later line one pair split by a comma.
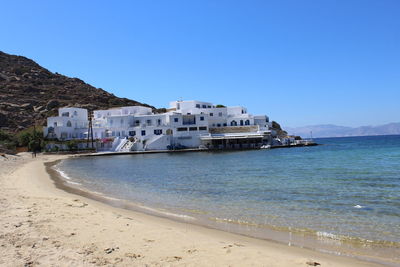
x,y
330,130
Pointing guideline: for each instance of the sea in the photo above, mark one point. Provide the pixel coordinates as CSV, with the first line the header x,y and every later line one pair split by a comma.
x,y
341,197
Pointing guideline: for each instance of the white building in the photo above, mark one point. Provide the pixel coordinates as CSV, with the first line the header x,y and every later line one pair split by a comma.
x,y
186,124
71,123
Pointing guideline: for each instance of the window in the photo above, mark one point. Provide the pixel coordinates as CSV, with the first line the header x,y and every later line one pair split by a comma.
x,y
202,128
233,123
148,122
182,129
224,124
204,106
158,131
202,118
242,111
211,114
137,122
75,113
158,122
176,119
192,128
209,106
220,114
219,125
69,124
247,122
132,133
188,119
65,114
143,132
178,106
55,124
241,122
197,105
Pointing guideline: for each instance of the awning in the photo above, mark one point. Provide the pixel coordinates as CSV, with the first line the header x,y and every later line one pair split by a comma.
x,y
225,137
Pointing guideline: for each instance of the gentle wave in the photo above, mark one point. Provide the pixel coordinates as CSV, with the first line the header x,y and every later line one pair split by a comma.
x,y
65,176
167,213
320,235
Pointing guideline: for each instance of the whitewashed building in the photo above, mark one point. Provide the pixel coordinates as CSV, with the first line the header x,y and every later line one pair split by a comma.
x,y
71,123
186,124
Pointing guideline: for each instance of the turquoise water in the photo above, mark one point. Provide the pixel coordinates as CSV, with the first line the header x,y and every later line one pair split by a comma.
x,y
348,187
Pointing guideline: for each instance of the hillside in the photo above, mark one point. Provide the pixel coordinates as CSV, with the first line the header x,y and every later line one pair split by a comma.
x,y
342,131
30,93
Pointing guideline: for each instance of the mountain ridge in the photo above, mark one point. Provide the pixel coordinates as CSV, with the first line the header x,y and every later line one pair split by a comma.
x,y
332,130
29,93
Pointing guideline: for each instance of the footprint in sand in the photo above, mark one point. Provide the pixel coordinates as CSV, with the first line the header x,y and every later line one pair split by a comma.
x,y
313,263
172,259
133,255
191,251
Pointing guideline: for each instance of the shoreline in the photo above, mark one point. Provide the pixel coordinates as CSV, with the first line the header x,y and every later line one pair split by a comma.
x,y
171,242
345,246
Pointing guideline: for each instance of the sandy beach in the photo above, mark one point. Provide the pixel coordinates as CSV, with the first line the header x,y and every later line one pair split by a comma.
x,y
41,225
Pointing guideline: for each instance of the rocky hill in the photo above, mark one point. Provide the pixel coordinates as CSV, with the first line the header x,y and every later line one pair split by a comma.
x,y
30,93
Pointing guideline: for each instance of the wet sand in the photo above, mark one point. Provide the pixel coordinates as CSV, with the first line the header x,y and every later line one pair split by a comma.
x,y
41,224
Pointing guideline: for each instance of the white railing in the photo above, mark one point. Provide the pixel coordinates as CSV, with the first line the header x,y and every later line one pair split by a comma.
x,y
121,144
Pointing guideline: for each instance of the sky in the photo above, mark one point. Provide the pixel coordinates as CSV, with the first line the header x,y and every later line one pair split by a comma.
x,y
301,62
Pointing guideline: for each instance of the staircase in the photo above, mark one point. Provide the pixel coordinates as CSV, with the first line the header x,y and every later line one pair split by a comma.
x,y
125,145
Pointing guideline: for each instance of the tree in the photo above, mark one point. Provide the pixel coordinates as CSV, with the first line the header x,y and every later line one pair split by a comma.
x,y
32,138
24,138
220,106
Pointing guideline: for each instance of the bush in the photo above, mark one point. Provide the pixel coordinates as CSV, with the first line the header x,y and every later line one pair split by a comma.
x,y
32,138
4,136
7,142
24,138
220,106
72,145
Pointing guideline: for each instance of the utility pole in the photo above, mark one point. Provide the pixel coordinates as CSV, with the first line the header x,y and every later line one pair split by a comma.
x,y
90,132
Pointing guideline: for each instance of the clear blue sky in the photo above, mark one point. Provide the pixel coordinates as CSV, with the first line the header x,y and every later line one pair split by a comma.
x,y
302,62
